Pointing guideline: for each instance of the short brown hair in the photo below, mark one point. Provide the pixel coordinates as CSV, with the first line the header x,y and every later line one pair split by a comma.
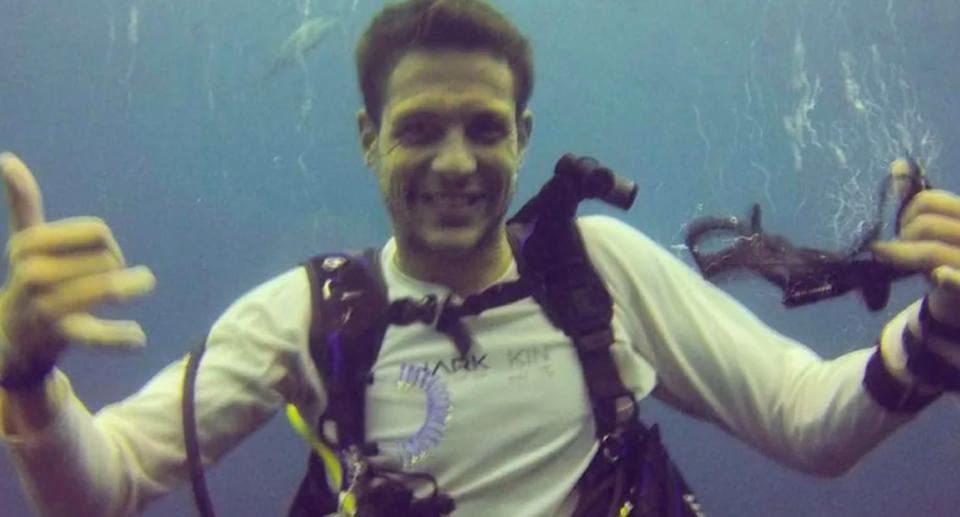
x,y
471,25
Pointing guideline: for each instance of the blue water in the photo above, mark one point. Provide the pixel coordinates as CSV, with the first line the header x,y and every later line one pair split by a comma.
x,y
153,116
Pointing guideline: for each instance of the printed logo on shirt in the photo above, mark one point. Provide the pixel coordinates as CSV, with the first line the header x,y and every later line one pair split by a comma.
x,y
529,364
528,356
524,364
413,449
470,363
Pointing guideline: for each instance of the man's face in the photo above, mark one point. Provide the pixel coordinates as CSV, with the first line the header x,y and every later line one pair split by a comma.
x,y
447,150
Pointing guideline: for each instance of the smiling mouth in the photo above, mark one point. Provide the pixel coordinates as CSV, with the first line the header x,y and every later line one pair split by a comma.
x,y
450,200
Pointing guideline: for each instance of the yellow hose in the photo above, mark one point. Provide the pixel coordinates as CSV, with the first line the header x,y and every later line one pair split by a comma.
x,y
330,462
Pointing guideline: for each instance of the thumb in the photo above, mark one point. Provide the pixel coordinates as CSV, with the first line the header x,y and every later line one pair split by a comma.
x,y
24,205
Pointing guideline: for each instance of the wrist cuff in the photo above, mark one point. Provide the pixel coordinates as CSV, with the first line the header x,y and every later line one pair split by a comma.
x,y
892,394
26,378
926,366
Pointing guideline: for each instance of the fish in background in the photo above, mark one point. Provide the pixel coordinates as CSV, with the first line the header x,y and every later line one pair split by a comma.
x,y
300,41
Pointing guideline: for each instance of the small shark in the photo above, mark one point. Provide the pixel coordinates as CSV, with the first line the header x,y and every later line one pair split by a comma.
x,y
300,41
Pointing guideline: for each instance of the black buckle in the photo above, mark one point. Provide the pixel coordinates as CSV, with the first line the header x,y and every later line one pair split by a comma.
x,y
614,446
432,309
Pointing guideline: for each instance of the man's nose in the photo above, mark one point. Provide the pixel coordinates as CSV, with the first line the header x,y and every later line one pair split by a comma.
x,y
454,156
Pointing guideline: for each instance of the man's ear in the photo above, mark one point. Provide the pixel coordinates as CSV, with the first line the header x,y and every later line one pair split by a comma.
x,y
524,128
367,131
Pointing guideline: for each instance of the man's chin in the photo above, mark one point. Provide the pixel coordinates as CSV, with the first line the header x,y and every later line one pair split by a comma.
x,y
451,248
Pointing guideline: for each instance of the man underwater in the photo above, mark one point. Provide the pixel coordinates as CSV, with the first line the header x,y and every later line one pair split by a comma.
x,y
445,128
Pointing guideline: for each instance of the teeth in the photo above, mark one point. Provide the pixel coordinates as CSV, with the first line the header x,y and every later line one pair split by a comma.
x,y
452,199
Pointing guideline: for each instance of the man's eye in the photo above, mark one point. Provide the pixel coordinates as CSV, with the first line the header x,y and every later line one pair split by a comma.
x,y
487,129
417,131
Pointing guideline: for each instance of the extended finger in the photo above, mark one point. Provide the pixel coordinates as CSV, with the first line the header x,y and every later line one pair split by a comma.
x,y
938,202
918,255
43,272
85,329
932,227
65,236
24,203
81,294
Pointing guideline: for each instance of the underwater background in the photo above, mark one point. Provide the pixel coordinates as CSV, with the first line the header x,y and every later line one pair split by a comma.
x,y
164,118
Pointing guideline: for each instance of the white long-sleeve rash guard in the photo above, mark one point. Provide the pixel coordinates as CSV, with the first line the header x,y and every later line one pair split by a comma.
x,y
506,431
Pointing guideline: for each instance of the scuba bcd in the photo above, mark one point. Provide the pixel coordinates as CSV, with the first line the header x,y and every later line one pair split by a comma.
x,y
631,473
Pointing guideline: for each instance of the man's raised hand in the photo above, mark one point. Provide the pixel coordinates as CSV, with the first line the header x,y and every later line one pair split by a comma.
x,y
58,272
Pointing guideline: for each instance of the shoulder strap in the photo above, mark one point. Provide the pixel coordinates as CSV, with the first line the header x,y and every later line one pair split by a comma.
x,y
348,298
550,250
349,320
571,292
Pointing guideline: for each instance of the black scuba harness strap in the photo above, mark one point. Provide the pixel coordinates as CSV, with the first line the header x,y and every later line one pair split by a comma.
x,y
576,301
349,314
